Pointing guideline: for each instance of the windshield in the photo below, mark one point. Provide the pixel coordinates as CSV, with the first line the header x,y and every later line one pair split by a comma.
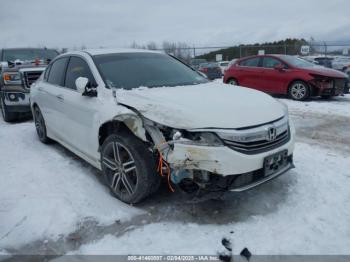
x,y
132,70
29,54
297,62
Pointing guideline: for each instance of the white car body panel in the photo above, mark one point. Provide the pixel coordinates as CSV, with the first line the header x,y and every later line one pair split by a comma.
x,y
211,105
75,120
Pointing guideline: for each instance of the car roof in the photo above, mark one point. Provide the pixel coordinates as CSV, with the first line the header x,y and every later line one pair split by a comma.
x,y
94,52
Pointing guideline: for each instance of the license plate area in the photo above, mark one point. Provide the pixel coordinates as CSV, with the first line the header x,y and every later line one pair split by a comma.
x,y
275,162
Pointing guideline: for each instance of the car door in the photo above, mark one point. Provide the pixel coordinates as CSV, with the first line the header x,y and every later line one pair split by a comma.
x,y
49,95
274,80
77,111
248,72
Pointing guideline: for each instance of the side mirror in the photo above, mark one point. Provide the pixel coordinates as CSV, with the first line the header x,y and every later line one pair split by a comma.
x,y
83,87
279,67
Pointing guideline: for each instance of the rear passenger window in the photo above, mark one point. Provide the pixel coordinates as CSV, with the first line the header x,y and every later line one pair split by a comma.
x,y
77,67
57,72
252,62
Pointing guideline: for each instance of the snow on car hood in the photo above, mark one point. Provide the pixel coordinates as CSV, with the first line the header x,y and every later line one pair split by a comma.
x,y
210,105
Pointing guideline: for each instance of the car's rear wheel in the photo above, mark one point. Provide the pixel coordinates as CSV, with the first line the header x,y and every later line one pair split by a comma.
x,y
128,168
299,90
232,81
6,115
40,126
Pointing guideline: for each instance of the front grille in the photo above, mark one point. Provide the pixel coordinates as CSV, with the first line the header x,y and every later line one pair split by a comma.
x,y
30,77
259,146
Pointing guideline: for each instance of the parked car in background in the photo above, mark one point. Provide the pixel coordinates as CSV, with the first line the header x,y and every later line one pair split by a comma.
x,y
19,68
211,70
223,65
196,62
325,61
341,63
130,120
232,62
283,74
347,71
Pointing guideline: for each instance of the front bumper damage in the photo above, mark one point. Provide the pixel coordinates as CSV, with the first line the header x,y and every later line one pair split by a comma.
x,y
220,168
329,87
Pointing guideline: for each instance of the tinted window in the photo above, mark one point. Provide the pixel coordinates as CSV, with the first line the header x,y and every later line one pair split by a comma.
x,y
253,62
270,62
77,67
57,71
132,70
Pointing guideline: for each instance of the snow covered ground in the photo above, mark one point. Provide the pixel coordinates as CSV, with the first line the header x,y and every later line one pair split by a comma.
x,y
53,203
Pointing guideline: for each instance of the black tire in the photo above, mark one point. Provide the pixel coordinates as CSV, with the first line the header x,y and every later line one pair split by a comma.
x,y
6,115
299,90
128,168
232,81
40,126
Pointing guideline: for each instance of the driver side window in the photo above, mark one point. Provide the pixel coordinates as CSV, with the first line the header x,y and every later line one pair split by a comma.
x,y
77,67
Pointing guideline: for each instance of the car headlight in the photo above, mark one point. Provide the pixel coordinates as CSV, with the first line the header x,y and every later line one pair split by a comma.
x,y
10,78
201,138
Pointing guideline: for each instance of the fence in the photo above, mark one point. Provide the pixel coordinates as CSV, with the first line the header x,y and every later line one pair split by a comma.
x,y
231,52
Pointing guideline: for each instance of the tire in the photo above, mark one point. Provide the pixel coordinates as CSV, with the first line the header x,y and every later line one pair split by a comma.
x,y
6,115
299,91
40,126
128,168
232,81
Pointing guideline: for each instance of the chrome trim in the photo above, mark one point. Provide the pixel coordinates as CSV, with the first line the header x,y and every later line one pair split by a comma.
x,y
264,180
254,134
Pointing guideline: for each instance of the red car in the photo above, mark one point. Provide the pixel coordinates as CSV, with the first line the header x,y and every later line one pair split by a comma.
x,y
284,74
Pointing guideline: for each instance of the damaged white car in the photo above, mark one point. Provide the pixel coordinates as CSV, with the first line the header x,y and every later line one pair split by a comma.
x,y
138,115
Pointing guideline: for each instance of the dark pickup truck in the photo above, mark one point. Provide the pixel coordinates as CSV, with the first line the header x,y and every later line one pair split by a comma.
x,y
19,68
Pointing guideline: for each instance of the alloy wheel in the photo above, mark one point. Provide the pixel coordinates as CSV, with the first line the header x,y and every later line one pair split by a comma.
x,y
120,169
39,123
232,82
298,91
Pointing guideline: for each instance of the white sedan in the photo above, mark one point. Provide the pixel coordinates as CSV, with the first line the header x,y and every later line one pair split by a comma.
x,y
138,115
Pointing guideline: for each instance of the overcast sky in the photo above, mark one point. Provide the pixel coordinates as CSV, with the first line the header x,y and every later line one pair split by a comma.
x,y
117,23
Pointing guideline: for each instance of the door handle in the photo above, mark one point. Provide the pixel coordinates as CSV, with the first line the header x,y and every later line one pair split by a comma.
x,y
60,97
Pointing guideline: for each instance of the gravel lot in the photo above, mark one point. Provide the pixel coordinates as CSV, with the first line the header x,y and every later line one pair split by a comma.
x,y
51,202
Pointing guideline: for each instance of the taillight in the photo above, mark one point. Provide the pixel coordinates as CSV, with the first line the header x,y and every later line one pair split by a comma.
x,y
204,70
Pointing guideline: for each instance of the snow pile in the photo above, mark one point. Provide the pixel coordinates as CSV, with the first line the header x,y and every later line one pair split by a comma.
x,y
312,219
339,105
46,191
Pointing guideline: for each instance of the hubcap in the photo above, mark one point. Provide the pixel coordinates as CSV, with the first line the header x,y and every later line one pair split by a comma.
x,y
298,91
39,123
120,169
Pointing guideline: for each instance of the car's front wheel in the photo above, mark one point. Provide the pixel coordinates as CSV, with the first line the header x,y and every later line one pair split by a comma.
x,y
299,90
128,168
6,115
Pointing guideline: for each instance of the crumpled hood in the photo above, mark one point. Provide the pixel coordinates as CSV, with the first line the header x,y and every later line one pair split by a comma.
x,y
210,105
323,71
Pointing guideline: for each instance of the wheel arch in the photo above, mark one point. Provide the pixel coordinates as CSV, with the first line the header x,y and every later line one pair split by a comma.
x,y
129,123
